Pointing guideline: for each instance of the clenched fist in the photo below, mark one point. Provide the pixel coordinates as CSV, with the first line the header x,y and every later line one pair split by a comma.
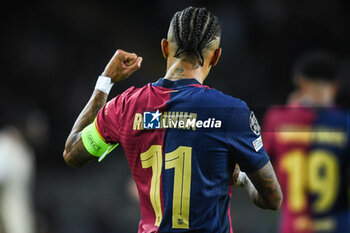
x,y
122,65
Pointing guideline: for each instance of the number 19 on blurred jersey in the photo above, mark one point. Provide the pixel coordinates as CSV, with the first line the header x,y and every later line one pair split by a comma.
x,y
316,173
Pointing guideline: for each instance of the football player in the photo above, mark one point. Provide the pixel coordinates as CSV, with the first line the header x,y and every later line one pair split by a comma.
x,y
181,138
308,141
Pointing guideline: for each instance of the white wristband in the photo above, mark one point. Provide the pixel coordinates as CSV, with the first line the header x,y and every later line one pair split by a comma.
x,y
241,177
104,84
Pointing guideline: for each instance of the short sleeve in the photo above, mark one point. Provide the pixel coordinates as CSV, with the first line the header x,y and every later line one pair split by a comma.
x,y
268,132
108,119
244,139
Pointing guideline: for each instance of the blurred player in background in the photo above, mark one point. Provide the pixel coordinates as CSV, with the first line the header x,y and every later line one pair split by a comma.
x,y
16,176
181,139
308,141
24,127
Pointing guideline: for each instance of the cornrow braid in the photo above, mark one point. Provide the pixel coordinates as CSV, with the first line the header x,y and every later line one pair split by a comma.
x,y
193,30
185,26
175,27
197,34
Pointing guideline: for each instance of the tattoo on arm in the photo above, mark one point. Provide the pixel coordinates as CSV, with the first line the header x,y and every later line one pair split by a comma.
x,y
263,188
75,153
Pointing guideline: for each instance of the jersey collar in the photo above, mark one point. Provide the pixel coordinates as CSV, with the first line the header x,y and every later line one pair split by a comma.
x,y
174,84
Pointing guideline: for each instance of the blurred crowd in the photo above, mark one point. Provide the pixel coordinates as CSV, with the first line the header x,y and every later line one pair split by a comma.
x,y
53,52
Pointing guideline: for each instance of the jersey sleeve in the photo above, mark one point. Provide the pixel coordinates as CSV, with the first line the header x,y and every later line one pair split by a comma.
x,y
268,132
108,120
244,139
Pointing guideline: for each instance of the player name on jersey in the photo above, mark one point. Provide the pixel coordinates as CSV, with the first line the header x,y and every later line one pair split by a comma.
x,y
179,120
307,134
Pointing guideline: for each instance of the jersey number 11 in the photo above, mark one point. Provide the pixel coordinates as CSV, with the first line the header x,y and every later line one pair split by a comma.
x,y
179,159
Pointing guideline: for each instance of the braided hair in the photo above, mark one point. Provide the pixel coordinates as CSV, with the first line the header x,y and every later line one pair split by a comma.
x,y
193,30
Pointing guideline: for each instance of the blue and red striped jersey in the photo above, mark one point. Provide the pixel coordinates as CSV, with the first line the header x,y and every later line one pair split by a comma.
x,y
309,148
182,141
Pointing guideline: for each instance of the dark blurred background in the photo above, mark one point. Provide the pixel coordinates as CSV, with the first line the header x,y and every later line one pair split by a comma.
x,y
53,51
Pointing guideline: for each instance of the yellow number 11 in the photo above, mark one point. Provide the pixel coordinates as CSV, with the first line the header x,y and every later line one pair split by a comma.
x,y
179,159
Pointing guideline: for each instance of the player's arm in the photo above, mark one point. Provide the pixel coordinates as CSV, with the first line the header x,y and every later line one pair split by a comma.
x,y
262,186
119,67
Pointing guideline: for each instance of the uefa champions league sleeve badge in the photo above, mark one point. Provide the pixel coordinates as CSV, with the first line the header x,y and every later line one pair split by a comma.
x,y
256,129
254,125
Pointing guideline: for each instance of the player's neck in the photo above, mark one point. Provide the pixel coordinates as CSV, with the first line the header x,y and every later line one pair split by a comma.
x,y
317,100
184,70
318,96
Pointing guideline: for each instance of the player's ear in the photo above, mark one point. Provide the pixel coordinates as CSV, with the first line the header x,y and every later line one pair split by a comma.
x,y
165,48
216,56
335,88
